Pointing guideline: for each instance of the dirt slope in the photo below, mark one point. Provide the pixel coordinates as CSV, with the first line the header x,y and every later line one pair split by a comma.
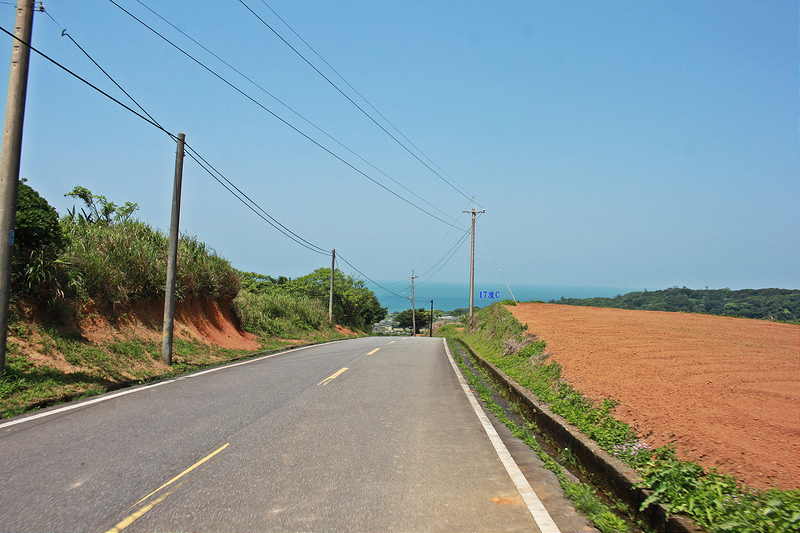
x,y
209,322
725,391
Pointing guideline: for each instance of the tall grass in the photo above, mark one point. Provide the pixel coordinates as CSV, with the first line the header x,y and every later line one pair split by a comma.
x,y
121,263
279,314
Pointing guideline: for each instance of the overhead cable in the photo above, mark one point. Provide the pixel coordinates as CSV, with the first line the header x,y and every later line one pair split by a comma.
x,y
353,102
257,209
339,256
287,106
193,154
281,119
452,252
362,96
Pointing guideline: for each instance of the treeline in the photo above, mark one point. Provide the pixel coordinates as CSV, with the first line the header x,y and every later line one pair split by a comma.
x,y
782,305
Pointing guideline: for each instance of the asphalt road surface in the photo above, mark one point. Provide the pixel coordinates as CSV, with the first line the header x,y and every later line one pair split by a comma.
x,y
373,434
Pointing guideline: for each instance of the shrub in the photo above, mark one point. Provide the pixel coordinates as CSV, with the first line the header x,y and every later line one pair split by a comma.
x,y
38,239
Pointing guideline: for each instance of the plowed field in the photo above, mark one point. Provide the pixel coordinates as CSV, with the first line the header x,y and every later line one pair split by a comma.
x,y
725,391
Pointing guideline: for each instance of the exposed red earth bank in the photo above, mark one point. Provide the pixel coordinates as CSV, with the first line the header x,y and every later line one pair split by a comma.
x,y
725,391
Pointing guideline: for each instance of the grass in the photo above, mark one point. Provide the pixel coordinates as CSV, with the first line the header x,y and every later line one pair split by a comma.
x,y
281,315
25,386
530,368
105,262
582,495
116,264
124,361
716,501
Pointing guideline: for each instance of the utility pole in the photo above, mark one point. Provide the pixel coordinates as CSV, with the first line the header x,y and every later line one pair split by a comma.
x,y
330,301
413,310
172,261
10,157
430,331
472,264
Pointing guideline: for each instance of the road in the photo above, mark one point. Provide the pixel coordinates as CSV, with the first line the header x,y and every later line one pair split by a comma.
x,y
373,434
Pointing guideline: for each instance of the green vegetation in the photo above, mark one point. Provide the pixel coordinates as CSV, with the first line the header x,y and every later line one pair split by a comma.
x,y
422,317
100,260
582,495
102,254
354,305
280,314
781,305
529,367
38,239
716,501
26,385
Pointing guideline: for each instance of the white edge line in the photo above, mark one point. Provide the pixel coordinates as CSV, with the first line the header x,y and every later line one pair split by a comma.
x,y
540,515
146,387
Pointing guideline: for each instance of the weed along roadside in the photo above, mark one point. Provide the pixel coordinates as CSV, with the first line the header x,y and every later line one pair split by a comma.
x,y
650,487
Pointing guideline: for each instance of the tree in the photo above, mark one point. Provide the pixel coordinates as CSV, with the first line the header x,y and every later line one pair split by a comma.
x,y
262,284
404,319
99,210
354,305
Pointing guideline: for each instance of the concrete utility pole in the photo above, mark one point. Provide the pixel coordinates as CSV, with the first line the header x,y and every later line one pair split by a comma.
x,y
413,310
472,264
10,157
330,301
430,331
172,261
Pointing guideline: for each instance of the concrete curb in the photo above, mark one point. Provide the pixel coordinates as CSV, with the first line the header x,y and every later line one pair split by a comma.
x,y
606,471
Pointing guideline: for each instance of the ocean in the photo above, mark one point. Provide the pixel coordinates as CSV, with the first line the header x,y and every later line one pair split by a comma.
x,y
450,296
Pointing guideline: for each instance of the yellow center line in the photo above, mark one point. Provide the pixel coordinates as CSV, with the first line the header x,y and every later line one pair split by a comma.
x,y
392,342
133,517
331,377
176,478
373,351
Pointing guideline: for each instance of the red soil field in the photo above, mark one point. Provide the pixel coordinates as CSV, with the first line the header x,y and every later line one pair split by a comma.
x,y
725,391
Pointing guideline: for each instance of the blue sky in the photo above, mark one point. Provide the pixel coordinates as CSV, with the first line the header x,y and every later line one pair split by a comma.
x,y
618,144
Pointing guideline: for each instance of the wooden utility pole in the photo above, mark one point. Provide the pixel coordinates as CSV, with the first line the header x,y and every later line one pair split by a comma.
x,y
10,157
472,264
413,310
172,261
330,300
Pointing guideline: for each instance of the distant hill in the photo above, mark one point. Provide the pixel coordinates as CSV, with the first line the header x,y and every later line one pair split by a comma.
x,y
782,305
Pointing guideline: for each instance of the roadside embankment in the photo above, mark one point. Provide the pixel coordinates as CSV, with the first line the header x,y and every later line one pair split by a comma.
x,y
610,450
94,351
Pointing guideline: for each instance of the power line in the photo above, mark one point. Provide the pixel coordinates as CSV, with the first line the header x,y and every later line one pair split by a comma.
x,y
362,96
437,246
132,99
277,225
101,91
284,121
213,172
452,252
339,256
353,102
256,208
287,106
